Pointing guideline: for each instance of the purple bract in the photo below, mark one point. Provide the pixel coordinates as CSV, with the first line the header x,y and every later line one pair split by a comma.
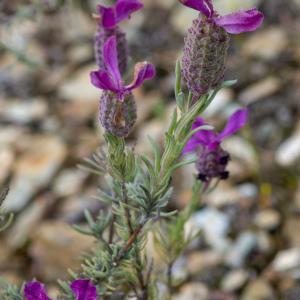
x,y
110,78
111,16
234,23
83,289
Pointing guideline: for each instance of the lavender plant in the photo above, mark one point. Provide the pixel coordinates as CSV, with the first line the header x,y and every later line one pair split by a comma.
x,y
139,187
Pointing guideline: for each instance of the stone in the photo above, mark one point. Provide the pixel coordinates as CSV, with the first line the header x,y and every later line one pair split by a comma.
x,y
79,88
7,157
23,112
229,6
291,230
182,18
267,219
55,248
199,261
34,169
215,226
237,254
266,44
192,291
234,280
26,222
69,182
288,153
260,90
258,289
286,260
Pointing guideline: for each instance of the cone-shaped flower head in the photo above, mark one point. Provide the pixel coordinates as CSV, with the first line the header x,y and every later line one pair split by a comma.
x,y
83,289
108,20
212,159
206,44
117,105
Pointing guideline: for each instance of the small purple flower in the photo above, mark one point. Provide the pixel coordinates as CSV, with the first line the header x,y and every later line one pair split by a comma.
x,y
212,160
35,290
84,289
234,23
117,105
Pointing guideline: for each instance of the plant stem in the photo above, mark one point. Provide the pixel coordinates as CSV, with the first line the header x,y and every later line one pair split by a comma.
x,y
125,200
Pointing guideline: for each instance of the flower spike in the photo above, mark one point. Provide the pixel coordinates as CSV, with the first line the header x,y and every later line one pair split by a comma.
x,y
212,159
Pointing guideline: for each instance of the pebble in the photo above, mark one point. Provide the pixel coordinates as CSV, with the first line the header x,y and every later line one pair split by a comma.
x,y
215,226
288,153
7,157
182,19
286,260
69,182
192,291
234,280
258,289
55,248
237,254
267,219
260,90
23,112
266,44
34,169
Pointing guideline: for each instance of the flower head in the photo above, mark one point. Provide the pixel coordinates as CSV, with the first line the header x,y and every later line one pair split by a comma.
x,y
110,78
234,23
83,289
35,290
212,160
111,16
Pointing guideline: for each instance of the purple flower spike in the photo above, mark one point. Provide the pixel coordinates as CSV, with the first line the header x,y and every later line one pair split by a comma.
x,y
212,160
110,78
117,104
111,16
84,289
35,290
234,23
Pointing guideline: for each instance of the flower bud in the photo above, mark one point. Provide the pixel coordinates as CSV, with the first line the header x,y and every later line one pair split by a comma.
x,y
204,59
101,37
117,117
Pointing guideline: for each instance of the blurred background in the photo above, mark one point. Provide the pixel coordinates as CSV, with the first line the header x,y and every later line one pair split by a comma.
x,y
250,247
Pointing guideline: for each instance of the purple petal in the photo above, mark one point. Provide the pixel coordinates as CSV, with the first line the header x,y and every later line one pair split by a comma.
x,y
204,6
202,137
124,8
84,289
241,21
142,71
102,80
108,16
235,123
35,290
110,57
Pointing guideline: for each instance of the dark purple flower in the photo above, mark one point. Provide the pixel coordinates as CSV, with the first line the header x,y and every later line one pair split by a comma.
x,y
212,160
110,79
234,23
111,16
35,290
84,289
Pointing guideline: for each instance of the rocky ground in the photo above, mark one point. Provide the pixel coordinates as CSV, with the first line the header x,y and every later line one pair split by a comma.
x,y
250,247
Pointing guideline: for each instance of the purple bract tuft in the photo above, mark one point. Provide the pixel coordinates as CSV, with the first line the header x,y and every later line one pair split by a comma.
x,y
84,289
35,290
212,159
